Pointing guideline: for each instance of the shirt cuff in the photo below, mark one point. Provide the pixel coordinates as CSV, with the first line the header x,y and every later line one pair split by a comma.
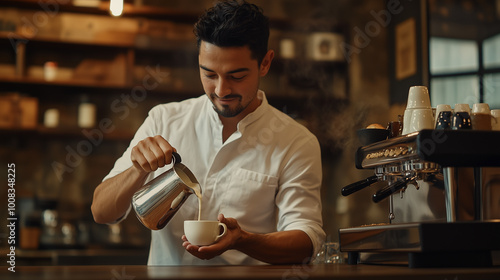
x,y
315,233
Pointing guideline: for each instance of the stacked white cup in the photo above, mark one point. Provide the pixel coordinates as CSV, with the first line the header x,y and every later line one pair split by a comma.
x,y
481,117
418,114
462,108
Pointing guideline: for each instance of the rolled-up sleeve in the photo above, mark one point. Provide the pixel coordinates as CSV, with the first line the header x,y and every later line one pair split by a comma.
x,y
124,162
299,194
147,129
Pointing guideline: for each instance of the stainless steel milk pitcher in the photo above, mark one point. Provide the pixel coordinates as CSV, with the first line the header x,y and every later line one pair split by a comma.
x,y
158,200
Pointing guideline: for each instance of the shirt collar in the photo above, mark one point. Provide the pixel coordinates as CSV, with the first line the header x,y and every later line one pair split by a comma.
x,y
255,115
250,118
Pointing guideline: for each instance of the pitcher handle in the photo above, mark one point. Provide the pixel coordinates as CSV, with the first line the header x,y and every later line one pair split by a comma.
x,y
176,158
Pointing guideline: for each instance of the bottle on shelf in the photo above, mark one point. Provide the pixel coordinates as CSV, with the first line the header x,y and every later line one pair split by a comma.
x,y
86,113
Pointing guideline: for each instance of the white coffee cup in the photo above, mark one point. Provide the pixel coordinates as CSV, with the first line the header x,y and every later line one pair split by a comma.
x,y
418,98
421,119
461,108
481,108
203,232
441,108
407,121
480,117
495,122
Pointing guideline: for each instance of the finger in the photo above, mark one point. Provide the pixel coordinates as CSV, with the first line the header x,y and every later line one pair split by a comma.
x,y
139,160
156,150
158,154
144,156
221,218
211,248
210,251
189,246
200,252
151,158
165,147
193,249
230,222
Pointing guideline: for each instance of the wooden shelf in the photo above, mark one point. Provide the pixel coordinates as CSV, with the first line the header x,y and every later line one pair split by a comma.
x,y
129,10
281,64
4,35
62,83
75,86
29,84
145,43
65,132
78,133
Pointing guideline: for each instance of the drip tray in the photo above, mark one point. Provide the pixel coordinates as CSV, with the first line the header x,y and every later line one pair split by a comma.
x,y
432,244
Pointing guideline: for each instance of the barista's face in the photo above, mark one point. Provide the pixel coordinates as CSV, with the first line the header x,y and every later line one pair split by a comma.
x,y
230,78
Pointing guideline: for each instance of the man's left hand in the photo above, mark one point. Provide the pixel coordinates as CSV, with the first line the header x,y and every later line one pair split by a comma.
x,y
227,242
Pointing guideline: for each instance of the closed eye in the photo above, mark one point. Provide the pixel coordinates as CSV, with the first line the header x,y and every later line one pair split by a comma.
x,y
238,78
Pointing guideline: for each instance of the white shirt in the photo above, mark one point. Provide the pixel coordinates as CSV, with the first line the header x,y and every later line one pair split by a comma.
x,y
266,175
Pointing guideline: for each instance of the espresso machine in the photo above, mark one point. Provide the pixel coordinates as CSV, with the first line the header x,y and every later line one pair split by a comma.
x,y
444,194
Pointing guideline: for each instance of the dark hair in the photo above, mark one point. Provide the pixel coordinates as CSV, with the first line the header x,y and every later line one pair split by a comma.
x,y
235,24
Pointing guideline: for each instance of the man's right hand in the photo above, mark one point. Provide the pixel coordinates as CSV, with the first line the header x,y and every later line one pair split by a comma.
x,y
112,197
151,153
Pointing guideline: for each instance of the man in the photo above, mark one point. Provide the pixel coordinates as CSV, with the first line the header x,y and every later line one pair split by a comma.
x,y
254,163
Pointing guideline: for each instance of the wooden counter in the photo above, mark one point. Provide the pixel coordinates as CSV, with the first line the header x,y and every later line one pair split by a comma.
x,y
295,272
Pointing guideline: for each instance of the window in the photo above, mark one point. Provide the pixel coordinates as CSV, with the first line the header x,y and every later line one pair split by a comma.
x,y
453,90
453,55
491,90
491,54
491,81
459,75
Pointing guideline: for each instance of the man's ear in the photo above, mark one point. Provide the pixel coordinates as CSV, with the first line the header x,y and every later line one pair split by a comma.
x,y
266,63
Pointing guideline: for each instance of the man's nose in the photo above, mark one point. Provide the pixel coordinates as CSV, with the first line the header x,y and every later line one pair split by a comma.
x,y
222,89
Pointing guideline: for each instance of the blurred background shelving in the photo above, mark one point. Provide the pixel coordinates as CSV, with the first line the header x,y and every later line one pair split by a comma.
x,y
58,56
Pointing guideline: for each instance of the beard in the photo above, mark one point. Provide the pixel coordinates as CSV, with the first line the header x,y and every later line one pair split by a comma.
x,y
226,111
